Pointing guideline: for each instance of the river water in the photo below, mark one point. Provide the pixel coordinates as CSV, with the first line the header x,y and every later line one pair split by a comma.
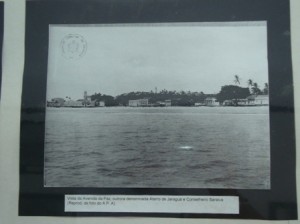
x,y
171,147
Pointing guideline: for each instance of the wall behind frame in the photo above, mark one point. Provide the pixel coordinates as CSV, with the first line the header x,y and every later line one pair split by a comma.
x,y
13,62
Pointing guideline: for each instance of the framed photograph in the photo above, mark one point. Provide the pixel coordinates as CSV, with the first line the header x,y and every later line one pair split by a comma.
x,y
158,109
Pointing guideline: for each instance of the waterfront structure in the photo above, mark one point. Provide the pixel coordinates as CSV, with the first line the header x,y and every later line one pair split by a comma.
x,y
101,104
90,103
87,100
199,104
138,103
258,100
168,103
241,102
211,101
253,100
56,102
228,103
73,103
160,104
86,97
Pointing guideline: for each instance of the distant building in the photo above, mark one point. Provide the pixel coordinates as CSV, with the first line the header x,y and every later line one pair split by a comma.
x,y
73,103
228,103
235,102
138,103
87,100
90,103
241,102
258,100
199,104
211,101
168,103
56,102
160,104
101,104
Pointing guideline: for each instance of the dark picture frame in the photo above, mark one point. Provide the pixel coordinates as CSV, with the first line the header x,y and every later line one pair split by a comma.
x,y
278,203
1,40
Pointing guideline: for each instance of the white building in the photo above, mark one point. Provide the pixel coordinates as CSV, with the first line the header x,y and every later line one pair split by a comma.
x,y
73,103
199,104
168,103
211,101
101,104
87,100
258,100
138,103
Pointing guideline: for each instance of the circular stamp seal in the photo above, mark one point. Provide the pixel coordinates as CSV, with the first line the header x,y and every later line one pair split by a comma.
x,y
73,46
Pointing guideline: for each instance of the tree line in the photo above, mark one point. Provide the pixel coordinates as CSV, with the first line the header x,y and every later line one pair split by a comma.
x,y
182,98
236,92
186,98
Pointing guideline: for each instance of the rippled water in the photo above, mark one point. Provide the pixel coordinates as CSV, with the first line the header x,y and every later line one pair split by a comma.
x,y
184,147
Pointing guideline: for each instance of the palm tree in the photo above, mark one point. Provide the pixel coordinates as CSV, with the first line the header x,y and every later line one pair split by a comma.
x,y
250,85
255,89
250,82
237,79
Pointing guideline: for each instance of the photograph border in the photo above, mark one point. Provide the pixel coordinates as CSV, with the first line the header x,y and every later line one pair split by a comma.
x,y
279,203
1,41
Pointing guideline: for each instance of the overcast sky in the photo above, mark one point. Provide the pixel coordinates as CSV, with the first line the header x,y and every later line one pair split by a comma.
x,y
124,58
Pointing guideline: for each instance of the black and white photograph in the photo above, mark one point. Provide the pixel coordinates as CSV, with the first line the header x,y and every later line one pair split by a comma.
x,y
181,109
158,105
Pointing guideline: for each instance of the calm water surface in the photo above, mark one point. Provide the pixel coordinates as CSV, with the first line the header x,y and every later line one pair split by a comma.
x,y
185,147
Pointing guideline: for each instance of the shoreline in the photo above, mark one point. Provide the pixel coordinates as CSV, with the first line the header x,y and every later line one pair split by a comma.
x,y
218,106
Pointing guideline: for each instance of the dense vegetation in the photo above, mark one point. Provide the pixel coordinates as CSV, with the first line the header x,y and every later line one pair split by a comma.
x,y
186,98
178,98
235,92
232,92
109,100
